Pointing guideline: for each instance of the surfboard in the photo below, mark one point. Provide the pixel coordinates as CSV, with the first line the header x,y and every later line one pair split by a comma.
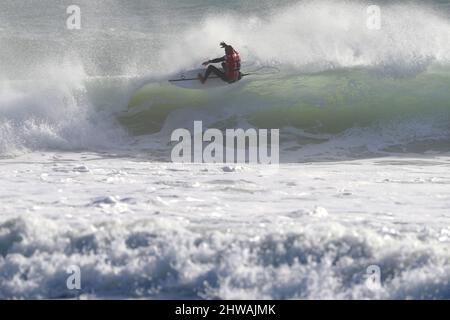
x,y
189,80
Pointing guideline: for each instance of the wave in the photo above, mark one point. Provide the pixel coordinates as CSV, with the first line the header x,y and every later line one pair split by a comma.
x,y
156,258
347,109
340,84
54,112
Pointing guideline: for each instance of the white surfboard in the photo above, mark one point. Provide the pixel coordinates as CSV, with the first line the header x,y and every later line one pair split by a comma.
x,y
189,80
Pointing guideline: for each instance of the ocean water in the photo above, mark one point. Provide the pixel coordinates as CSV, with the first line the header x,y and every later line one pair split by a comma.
x,y
86,178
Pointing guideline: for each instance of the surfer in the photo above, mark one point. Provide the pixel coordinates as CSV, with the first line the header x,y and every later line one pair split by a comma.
x,y
231,64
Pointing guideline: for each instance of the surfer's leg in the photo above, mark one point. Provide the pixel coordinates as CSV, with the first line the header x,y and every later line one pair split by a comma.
x,y
215,71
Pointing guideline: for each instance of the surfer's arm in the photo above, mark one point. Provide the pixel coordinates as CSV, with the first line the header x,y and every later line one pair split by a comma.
x,y
214,61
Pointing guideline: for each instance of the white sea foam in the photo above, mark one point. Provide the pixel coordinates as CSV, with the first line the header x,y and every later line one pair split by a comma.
x,y
145,236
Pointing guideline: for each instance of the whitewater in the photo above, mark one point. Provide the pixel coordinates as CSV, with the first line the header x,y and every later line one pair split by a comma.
x,y
86,177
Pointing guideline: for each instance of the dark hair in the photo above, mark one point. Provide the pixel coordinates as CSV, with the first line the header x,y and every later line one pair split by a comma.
x,y
229,50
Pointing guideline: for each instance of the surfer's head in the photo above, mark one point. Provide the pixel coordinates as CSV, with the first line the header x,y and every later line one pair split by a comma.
x,y
228,49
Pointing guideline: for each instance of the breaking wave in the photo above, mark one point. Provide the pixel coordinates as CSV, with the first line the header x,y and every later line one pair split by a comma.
x,y
157,258
341,87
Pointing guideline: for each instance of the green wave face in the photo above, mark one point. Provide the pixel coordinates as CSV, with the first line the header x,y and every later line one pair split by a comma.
x,y
336,101
329,102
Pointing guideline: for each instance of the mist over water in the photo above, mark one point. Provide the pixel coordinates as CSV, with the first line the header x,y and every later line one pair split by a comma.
x,y
60,87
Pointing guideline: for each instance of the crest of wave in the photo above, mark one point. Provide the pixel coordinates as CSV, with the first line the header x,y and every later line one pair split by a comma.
x,y
51,112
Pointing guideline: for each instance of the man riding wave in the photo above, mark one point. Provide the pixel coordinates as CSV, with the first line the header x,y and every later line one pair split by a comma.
x,y
231,64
